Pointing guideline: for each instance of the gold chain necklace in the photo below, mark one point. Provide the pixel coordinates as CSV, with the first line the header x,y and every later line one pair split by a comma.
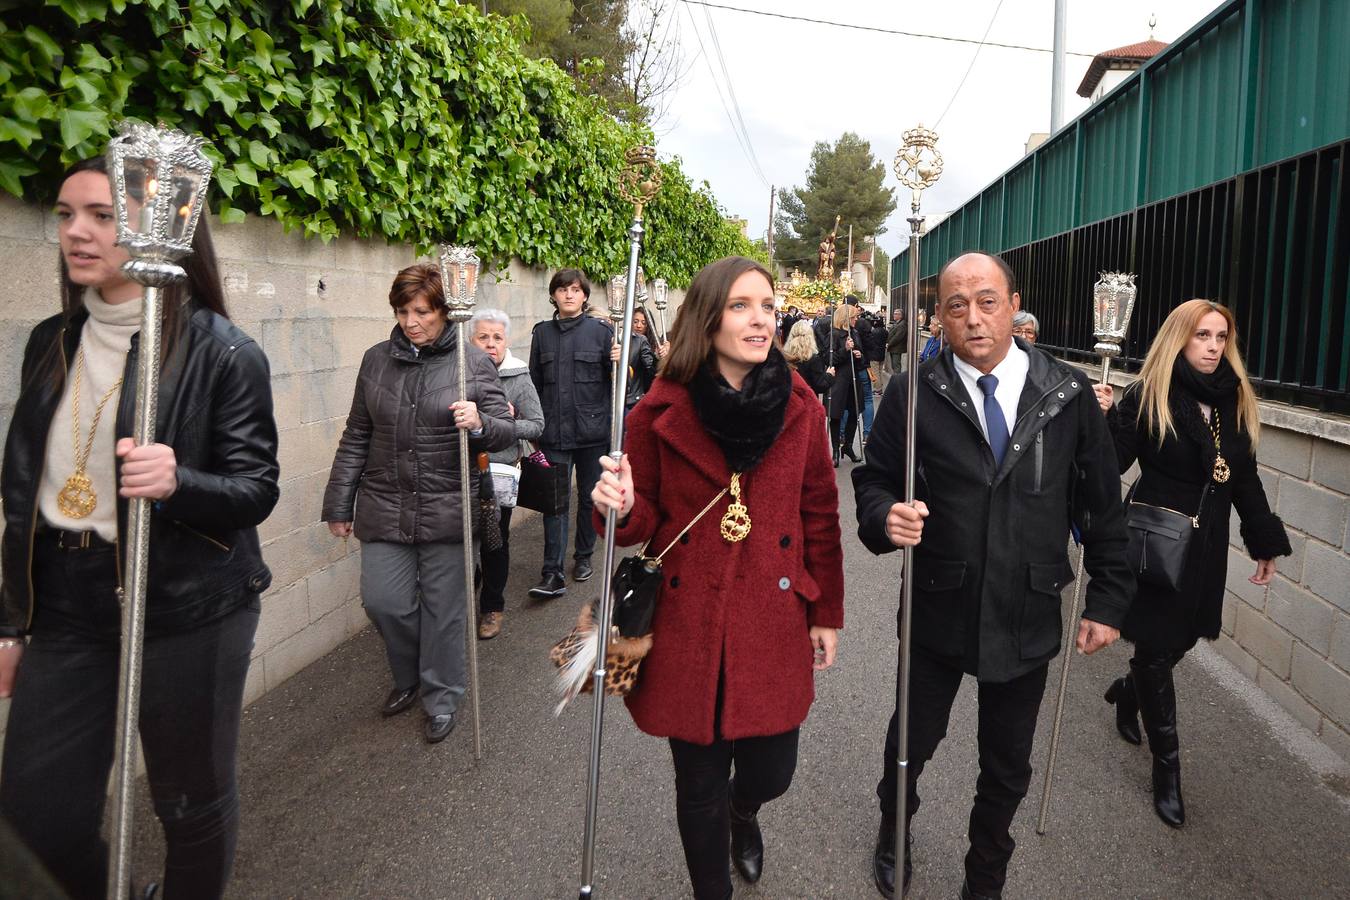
x,y
1221,470
736,520
76,498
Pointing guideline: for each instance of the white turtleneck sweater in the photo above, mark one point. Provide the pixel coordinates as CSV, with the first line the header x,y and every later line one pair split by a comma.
x,y
105,340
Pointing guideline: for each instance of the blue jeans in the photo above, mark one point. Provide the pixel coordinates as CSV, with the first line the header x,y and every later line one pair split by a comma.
x,y
585,461
865,395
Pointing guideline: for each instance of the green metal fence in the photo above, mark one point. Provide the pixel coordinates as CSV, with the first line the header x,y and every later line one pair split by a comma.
x,y
1253,102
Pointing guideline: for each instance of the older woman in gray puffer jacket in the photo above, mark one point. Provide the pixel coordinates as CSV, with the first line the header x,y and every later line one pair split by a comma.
x,y
395,485
490,330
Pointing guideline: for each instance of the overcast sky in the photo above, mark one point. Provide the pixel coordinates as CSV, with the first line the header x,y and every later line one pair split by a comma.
x,y
797,83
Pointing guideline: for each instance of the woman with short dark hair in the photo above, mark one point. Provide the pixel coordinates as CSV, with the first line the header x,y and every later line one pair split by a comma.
x,y
751,607
399,454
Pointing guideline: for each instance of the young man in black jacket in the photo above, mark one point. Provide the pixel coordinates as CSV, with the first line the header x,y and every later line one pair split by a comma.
x,y
570,367
1009,440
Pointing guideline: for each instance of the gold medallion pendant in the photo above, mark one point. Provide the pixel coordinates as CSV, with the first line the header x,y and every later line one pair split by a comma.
x,y
77,498
1221,470
736,520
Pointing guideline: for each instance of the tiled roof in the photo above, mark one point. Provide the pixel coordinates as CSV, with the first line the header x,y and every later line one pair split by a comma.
x,y
1140,53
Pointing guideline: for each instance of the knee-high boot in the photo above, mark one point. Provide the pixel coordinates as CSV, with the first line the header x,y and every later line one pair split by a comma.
x,y
1152,674
1121,695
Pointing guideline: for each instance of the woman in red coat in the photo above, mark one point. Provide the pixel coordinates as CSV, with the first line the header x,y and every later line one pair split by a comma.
x,y
742,622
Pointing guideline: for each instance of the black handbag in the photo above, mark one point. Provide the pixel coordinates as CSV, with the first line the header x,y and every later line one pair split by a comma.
x,y
1160,540
543,488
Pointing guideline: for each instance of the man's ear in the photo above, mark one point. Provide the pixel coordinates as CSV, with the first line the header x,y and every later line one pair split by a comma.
x,y
1016,301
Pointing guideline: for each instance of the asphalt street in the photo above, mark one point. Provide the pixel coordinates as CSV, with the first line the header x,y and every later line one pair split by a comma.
x,y
338,803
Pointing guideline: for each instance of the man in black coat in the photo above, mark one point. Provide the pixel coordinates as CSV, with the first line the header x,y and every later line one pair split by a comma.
x,y
1010,444
570,368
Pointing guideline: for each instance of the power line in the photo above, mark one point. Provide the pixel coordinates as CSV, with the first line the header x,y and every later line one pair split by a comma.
x,y
976,55
741,140
878,30
731,92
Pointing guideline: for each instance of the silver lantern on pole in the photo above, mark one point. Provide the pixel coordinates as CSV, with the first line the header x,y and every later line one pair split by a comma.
x,y
1113,299
918,165
159,181
638,184
660,290
459,281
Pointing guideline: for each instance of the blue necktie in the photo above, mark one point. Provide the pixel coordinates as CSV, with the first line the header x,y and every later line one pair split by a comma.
x,y
993,418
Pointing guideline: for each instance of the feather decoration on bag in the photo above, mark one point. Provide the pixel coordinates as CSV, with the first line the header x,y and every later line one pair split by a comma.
x,y
575,657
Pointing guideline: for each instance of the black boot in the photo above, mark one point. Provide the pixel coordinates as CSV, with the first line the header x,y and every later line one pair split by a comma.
x,y
1121,694
883,859
747,844
1158,708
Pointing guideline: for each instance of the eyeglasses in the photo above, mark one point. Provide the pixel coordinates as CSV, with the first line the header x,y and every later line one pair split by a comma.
x,y
1025,333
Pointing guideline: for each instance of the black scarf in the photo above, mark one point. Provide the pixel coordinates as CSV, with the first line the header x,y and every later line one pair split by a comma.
x,y
744,423
1212,389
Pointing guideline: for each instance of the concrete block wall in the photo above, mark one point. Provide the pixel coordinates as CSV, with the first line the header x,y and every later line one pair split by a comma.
x,y
1292,637
315,309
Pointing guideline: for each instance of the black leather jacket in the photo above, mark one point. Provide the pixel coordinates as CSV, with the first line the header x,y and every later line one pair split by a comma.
x,y
215,411
569,363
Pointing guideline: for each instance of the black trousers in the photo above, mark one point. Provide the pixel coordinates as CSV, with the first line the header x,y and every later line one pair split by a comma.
x,y
1007,724
496,568
764,767
62,725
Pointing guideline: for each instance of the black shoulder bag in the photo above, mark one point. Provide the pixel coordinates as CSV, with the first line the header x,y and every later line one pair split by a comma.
x,y
1160,539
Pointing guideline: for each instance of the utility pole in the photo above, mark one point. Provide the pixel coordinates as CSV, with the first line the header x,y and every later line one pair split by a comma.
x,y
1057,69
768,238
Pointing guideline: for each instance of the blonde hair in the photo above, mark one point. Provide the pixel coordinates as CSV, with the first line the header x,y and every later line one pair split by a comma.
x,y
841,315
1155,378
801,344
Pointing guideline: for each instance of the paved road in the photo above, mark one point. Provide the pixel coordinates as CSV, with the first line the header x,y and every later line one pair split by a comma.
x,y
339,803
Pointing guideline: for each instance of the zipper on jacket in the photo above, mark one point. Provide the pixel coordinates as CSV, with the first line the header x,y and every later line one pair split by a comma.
x,y
42,470
1040,443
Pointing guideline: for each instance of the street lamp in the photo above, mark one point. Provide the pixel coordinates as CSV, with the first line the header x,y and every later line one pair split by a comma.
x,y
159,180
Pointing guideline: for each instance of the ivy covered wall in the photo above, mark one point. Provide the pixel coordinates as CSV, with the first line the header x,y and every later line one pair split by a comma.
x,y
411,120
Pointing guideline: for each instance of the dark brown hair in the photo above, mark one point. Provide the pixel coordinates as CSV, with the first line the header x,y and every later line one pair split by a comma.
x,y
564,277
700,315
419,282
203,275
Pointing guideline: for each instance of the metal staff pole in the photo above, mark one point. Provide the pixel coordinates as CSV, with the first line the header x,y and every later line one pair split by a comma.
x,y
918,164
1113,299
459,281
639,182
159,179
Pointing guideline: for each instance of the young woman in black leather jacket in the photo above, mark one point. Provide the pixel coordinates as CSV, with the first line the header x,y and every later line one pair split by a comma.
x,y
212,473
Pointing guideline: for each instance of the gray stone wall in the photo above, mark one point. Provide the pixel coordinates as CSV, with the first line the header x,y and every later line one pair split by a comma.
x,y
315,308
1292,637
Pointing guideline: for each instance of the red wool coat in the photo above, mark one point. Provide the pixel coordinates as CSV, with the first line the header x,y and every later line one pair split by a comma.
x,y
742,609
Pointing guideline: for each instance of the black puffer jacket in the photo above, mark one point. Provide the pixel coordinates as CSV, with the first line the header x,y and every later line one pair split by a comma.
x,y
993,559
569,362
396,472
642,365
215,411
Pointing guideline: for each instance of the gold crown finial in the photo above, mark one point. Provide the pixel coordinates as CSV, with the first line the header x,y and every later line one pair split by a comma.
x,y
641,177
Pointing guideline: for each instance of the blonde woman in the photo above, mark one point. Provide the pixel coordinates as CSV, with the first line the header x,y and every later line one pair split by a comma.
x,y
1191,422
805,358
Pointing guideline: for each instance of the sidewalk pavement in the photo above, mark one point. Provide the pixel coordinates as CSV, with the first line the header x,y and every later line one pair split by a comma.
x,y
339,803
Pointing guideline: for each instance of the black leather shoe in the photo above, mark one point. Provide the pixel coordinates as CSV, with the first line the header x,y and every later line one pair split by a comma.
x,y
583,570
968,894
549,587
398,700
883,859
747,843
837,457
848,451
438,728
1121,695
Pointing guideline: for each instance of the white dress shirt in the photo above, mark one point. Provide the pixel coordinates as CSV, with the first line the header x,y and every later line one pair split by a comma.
x,y
1012,377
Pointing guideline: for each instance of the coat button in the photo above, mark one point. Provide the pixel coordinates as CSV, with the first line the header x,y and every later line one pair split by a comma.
x,y
1073,384
1061,395
684,539
784,583
784,541
1041,414
674,581
1017,446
